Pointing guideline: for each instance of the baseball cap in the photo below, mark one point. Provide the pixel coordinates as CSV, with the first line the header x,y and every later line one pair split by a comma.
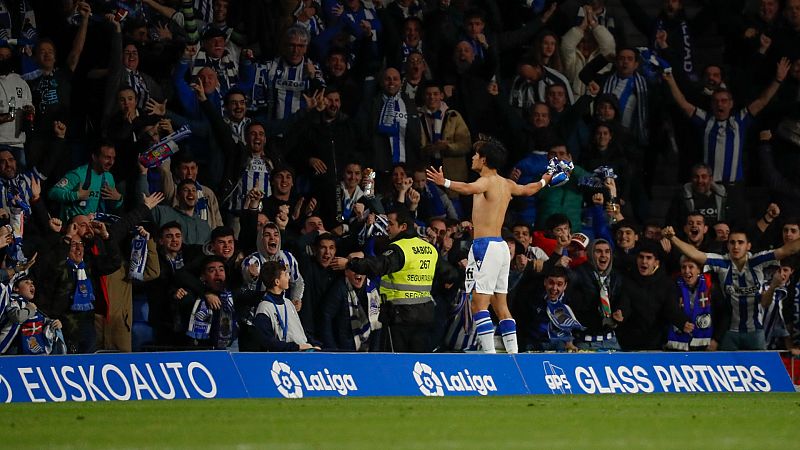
x,y
580,239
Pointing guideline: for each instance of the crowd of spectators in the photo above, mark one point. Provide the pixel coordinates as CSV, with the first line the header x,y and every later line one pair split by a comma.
x,y
198,174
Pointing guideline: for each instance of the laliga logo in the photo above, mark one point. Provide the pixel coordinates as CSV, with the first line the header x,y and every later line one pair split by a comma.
x,y
428,382
556,379
432,384
291,385
286,381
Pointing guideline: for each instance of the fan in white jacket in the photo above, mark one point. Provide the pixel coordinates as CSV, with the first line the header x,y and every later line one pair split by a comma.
x,y
582,44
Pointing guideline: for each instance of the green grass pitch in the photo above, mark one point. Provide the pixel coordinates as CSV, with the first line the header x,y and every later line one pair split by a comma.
x,y
704,421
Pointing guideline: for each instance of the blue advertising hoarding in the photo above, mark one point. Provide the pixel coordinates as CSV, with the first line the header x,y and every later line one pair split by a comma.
x,y
300,375
632,373
201,375
103,377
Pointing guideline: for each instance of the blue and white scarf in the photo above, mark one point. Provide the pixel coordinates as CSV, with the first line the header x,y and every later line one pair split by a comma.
x,y
138,260
177,263
460,334
83,297
204,10
16,192
200,320
392,123
136,82
652,65
562,320
359,321
696,305
685,51
17,222
226,68
637,85
225,331
374,230
434,122
201,207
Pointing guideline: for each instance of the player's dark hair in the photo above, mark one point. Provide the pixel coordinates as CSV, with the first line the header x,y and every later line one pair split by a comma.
x,y
494,153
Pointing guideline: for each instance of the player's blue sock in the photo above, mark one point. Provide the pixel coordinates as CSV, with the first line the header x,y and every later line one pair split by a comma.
x,y
508,330
484,329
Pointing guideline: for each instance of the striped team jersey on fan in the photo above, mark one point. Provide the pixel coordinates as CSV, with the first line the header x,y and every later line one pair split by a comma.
x,y
723,142
280,87
289,262
254,176
742,288
19,185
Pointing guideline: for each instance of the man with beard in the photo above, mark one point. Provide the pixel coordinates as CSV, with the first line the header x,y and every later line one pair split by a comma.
x,y
351,308
235,113
598,299
700,194
89,188
269,249
741,276
195,229
75,291
652,303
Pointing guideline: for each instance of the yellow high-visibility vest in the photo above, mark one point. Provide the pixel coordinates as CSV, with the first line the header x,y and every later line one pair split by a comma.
x,y
411,285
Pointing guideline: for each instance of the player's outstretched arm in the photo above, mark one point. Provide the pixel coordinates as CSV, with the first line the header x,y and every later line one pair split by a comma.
x,y
787,250
479,186
684,247
531,188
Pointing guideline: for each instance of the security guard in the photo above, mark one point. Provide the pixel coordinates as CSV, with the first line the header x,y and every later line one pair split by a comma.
x,y
407,269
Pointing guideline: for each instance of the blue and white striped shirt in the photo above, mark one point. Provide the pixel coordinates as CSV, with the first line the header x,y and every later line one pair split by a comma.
x,y
723,142
296,282
280,86
19,185
254,176
742,288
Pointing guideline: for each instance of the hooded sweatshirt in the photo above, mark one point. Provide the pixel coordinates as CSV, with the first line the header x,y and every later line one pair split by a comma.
x,y
584,292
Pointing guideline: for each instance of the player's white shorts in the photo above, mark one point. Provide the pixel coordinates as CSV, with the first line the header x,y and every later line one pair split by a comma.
x,y
488,265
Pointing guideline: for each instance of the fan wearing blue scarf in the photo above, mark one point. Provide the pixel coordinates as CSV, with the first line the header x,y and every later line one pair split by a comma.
x,y
694,288
24,329
555,319
212,321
